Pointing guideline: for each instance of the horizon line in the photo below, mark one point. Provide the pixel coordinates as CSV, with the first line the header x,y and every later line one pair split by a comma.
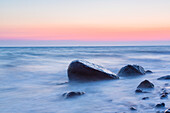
x,y
57,43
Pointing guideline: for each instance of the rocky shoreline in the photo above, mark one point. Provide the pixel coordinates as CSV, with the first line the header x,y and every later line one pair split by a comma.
x,y
84,71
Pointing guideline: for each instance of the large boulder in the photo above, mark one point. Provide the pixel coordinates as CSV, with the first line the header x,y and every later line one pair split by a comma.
x,y
167,77
132,70
80,70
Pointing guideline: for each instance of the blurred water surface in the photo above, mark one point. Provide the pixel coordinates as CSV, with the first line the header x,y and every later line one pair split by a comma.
x,y
30,79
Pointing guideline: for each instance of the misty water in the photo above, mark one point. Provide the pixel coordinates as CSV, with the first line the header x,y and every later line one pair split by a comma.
x,y
31,79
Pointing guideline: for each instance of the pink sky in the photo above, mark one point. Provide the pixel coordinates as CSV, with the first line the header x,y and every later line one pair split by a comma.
x,y
86,34
85,20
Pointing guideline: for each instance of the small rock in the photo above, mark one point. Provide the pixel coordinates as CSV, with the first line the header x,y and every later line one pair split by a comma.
x,y
145,98
167,110
167,77
164,95
160,105
73,94
131,70
148,72
133,108
145,84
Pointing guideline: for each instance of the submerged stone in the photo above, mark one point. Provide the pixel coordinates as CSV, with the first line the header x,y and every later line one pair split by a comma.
x,y
166,84
140,91
72,94
131,70
148,72
145,84
133,108
145,98
167,77
80,70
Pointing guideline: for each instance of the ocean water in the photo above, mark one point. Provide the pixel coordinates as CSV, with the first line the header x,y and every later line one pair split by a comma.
x,y
31,79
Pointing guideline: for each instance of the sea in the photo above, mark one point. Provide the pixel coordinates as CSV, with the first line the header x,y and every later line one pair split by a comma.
x,y
33,79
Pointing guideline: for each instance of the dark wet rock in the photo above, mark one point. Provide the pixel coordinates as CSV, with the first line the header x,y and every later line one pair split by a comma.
x,y
80,70
148,72
144,87
145,98
164,95
167,110
160,105
133,108
145,84
131,70
167,77
72,94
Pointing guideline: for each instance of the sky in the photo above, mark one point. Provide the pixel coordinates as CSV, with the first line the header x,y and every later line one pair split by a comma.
x,y
85,20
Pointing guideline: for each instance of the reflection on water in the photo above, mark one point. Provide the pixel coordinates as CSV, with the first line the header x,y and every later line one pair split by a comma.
x,y
33,79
